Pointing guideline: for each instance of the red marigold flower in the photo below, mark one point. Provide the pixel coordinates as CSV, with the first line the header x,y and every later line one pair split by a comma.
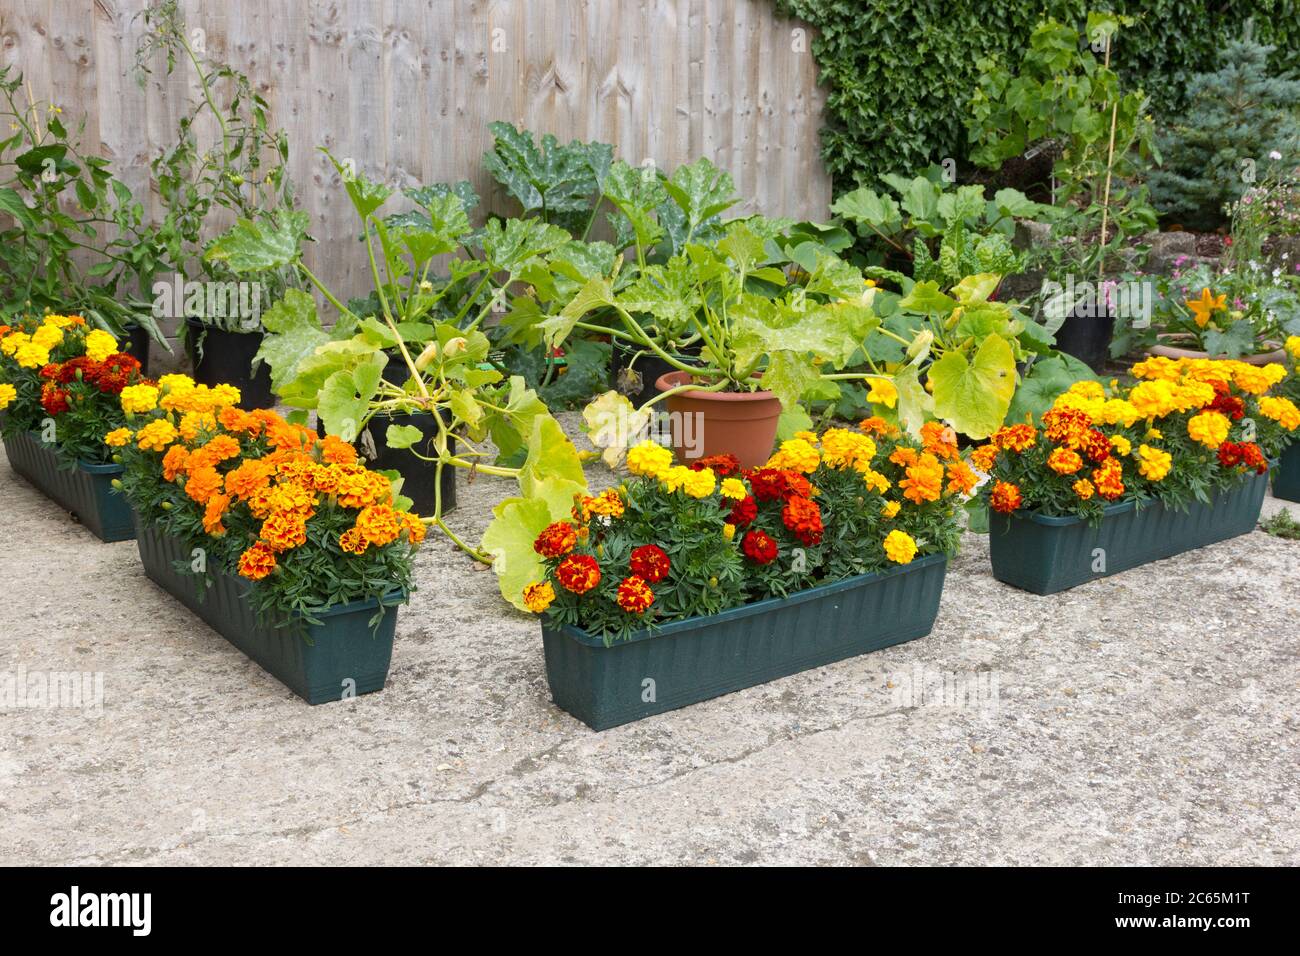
x,y
724,466
1230,454
578,573
803,518
51,371
759,547
1096,445
54,399
1005,498
743,512
634,595
1229,405
650,562
557,539
777,484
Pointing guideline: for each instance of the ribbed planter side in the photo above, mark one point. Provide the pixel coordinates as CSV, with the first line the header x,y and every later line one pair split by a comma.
x,y
319,662
86,491
688,661
1286,476
1046,555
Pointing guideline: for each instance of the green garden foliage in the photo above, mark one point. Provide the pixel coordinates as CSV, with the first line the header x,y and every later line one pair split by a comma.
x,y
899,75
1236,116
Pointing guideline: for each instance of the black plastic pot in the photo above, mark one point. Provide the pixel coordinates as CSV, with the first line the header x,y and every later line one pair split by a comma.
x,y
649,366
137,346
1087,336
220,357
418,476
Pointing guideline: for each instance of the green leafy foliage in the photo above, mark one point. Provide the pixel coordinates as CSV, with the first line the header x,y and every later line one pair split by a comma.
x,y
559,184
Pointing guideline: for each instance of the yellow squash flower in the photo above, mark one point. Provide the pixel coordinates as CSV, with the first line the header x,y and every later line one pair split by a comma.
x,y
1204,308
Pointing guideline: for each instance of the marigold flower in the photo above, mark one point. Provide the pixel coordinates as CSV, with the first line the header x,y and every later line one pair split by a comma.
x,y
1005,497
728,531
238,420
379,524
734,489
203,483
253,474
213,513
961,480
651,562
924,481
1015,438
578,573
1121,445
842,448
117,438
607,503
156,435
723,465
1063,461
900,547
772,484
336,451
699,484
875,480
803,518
99,345
138,399
257,562
649,459
890,509
556,539
1108,479
285,530
1209,428
175,462
939,440
1257,379
538,596
875,425
1083,488
985,456
743,512
795,454
759,547
54,399
353,541
634,595
8,394
1281,410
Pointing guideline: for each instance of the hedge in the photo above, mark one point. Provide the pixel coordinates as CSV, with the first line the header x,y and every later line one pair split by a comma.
x,y
900,73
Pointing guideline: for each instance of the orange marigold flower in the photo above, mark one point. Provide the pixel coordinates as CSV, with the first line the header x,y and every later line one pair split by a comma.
x,y
252,475
961,480
984,457
174,462
1063,461
803,517
1016,438
634,595
213,513
1108,477
353,541
607,503
903,456
1067,426
939,440
415,528
237,420
578,573
875,425
284,530
556,539
363,488
336,451
324,479
219,449
292,497
1005,498
257,562
193,423
924,481
1083,488
379,525
204,482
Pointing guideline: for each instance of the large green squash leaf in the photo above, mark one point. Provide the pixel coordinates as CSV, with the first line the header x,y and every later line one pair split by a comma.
x,y
974,396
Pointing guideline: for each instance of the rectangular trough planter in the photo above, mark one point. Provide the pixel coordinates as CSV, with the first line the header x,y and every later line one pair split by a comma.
x,y
340,657
1045,555
685,662
86,491
1286,476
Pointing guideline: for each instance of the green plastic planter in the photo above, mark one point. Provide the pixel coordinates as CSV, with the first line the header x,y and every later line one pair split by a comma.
x,y
685,662
1045,555
340,657
1286,476
86,491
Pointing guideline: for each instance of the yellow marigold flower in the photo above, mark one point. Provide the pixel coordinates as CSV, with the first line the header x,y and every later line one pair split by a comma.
x,y
700,484
1154,464
1087,388
47,336
10,343
842,448
674,477
734,489
1083,488
1063,461
1193,395
538,596
875,480
1152,399
192,423
118,437
1281,410
156,435
137,399
890,509
796,454
883,392
728,530
900,547
99,345
1118,411
224,396
7,394
1255,379
1209,428
1154,434
1293,346
32,355
809,437
1121,444
649,459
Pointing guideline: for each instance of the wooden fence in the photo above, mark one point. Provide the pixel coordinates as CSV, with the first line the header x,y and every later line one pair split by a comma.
x,y
407,87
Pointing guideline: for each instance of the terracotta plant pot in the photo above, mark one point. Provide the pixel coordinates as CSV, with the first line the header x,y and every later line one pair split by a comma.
x,y
1277,354
716,423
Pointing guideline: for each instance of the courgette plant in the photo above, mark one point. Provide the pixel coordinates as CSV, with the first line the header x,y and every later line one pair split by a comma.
x,y
339,371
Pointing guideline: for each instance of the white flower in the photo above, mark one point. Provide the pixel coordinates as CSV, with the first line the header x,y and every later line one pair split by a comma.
x,y
1274,155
